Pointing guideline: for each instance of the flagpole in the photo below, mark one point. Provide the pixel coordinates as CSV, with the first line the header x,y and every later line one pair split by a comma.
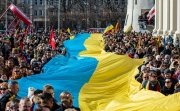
x,y
59,11
11,23
6,17
132,14
45,23
4,13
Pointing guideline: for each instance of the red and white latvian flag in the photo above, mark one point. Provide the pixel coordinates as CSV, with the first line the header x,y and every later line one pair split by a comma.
x,y
52,41
151,13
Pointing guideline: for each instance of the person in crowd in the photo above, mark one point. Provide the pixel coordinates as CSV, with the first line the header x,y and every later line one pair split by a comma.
x,y
10,94
12,105
177,86
3,88
143,77
25,104
167,50
47,101
49,89
168,75
16,74
177,71
35,99
66,102
4,78
152,83
168,88
9,67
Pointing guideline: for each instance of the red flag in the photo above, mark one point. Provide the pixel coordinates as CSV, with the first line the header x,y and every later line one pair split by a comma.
x,y
151,13
20,14
52,40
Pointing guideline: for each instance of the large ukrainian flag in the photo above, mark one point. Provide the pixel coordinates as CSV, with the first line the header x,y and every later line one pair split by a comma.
x,y
98,81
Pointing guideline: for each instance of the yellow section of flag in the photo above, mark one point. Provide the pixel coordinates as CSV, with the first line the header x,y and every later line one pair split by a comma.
x,y
113,87
108,28
71,37
69,31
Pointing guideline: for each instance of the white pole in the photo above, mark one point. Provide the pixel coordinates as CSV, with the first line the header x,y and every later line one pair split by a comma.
x,y
31,10
87,17
6,23
45,30
59,11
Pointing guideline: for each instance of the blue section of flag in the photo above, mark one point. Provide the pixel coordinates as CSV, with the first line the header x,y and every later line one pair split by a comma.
x,y
74,47
67,73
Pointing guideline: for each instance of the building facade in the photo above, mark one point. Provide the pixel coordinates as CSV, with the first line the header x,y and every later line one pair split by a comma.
x,y
75,14
137,9
167,19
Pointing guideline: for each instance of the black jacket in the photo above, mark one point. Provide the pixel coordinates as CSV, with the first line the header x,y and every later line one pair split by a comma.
x,y
62,108
166,91
6,98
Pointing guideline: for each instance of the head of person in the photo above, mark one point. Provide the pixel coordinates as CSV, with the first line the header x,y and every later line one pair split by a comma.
x,y
36,67
13,87
49,89
66,99
152,76
48,53
16,72
4,77
158,58
15,52
3,88
167,74
46,100
145,76
10,63
23,63
12,105
167,57
70,109
36,99
168,83
25,104
42,109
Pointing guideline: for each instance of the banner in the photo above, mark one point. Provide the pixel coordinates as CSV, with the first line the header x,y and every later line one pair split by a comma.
x,y
16,11
52,41
98,80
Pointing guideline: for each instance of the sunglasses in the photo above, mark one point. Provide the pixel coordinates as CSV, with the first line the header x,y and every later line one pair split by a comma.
x,y
16,71
167,81
145,77
2,88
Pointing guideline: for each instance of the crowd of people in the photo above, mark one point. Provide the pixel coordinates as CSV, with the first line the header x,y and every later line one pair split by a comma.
x,y
22,56
39,100
161,69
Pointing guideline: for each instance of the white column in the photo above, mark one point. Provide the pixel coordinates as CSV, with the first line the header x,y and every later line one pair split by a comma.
x,y
160,28
177,33
156,25
173,16
166,16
